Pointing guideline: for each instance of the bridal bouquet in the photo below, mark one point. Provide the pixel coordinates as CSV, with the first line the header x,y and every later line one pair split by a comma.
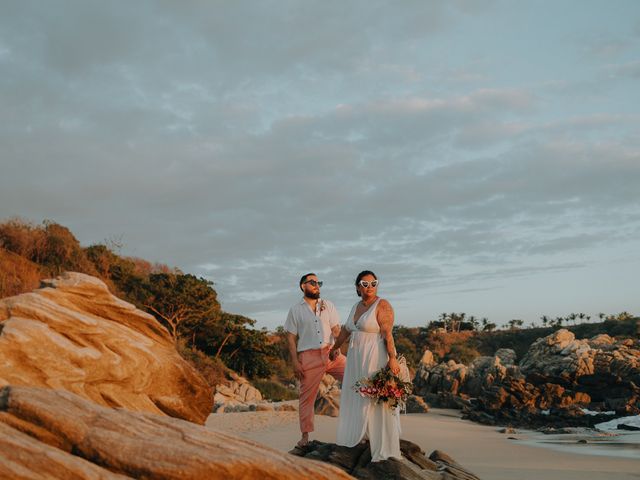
x,y
384,386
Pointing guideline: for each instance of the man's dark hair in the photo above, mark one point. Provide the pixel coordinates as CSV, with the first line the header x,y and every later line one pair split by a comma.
x,y
304,278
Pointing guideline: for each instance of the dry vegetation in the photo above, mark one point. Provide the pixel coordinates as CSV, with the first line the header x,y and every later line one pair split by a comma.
x,y
17,274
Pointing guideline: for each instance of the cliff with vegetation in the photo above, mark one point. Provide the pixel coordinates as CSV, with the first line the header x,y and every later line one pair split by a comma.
x,y
213,340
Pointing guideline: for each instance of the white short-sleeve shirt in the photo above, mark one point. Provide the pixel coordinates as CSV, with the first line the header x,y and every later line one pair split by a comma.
x,y
312,328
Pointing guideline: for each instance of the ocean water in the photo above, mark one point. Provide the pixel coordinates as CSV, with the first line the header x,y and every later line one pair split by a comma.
x,y
612,425
605,440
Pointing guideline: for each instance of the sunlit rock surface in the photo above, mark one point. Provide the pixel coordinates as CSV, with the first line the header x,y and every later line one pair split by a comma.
x,y
55,434
74,335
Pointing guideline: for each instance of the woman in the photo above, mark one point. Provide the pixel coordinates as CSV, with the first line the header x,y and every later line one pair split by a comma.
x,y
371,348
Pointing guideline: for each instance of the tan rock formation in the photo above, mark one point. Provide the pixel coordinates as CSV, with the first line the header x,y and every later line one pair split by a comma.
x,y
55,434
236,395
74,335
328,399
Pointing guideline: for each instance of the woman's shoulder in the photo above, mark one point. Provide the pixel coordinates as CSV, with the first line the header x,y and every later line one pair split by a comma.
x,y
384,303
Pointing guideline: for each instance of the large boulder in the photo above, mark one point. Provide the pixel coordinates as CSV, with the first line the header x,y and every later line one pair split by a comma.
x,y
74,335
55,434
446,377
559,355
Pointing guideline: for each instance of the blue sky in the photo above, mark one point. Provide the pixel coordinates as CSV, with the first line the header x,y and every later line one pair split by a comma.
x,y
480,156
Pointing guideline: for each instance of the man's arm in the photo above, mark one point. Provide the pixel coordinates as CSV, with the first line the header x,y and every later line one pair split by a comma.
x,y
293,353
334,320
340,339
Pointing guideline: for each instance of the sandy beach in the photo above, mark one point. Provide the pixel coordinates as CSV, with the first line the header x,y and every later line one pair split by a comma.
x,y
482,449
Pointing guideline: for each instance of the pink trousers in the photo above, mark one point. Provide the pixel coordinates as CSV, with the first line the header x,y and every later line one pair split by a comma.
x,y
315,363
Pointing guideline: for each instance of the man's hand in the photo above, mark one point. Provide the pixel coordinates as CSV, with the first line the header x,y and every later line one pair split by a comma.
x,y
333,354
297,370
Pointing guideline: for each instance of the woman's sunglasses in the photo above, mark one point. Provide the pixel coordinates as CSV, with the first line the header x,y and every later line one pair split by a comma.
x,y
314,283
365,284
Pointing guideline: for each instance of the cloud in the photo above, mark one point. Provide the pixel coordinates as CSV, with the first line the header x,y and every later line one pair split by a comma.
x,y
252,142
629,69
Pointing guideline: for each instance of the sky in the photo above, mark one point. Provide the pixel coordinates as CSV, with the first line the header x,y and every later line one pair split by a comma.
x,y
480,156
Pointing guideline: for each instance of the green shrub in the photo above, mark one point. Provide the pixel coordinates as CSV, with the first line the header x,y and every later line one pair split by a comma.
x,y
462,353
212,369
274,391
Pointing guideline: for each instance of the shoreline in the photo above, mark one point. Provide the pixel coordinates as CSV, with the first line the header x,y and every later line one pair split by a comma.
x,y
604,444
480,448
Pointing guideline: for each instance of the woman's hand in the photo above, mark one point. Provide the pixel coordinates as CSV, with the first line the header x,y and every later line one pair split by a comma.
x,y
394,366
333,353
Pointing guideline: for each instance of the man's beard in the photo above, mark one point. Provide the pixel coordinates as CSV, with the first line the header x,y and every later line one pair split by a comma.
x,y
312,295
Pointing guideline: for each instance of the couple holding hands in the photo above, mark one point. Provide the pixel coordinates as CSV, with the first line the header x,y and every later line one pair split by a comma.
x,y
314,338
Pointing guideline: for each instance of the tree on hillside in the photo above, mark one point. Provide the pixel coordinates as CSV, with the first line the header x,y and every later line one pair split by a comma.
x,y
515,323
487,326
474,322
182,303
545,320
240,346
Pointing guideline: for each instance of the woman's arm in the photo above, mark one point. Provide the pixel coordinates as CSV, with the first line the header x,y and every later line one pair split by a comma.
x,y
384,315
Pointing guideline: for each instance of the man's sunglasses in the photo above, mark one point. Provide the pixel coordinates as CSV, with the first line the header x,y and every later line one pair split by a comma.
x,y
314,283
365,284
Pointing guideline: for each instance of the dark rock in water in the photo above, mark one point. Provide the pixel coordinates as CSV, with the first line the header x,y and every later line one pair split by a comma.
x,y
414,465
633,428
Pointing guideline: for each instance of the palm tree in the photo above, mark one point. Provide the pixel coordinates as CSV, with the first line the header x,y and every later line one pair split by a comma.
x,y
443,318
545,320
474,322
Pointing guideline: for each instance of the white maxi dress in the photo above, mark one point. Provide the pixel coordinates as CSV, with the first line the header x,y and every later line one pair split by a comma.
x,y
361,417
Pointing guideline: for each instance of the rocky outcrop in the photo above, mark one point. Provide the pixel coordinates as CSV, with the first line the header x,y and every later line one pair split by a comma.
x,y
415,465
440,384
55,434
557,381
74,335
237,395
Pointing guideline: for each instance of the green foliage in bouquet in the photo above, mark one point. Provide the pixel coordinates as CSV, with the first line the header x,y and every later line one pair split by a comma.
x,y
384,386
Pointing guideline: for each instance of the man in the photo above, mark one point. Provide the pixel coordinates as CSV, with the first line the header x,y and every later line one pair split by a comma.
x,y
311,326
